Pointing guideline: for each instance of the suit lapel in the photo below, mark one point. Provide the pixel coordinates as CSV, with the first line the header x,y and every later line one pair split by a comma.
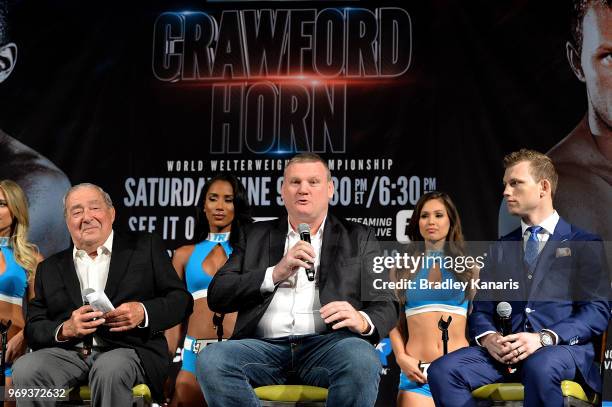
x,y
328,249
120,258
547,256
276,244
68,274
512,257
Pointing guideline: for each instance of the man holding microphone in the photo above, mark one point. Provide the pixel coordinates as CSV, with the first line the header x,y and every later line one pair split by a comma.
x,y
301,309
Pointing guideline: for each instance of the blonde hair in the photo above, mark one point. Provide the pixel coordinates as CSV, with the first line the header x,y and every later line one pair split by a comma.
x,y
25,253
541,166
308,158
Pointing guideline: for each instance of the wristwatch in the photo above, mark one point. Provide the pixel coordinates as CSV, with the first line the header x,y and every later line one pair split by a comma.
x,y
546,338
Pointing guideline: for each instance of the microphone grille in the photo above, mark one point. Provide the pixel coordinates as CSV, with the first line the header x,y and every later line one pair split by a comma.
x,y
504,309
303,228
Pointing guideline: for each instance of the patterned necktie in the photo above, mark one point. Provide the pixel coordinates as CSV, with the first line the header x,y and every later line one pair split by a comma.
x,y
532,245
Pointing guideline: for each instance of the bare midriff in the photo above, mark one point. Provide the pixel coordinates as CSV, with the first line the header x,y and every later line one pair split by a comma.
x,y
425,339
200,324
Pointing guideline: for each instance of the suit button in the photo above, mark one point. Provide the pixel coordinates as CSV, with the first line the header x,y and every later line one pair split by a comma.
x,y
527,310
530,276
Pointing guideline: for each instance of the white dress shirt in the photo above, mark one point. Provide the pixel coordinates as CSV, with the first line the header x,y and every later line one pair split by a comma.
x,y
548,228
294,309
93,273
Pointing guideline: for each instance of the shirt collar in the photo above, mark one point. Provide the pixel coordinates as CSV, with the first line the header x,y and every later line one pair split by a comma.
x,y
291,232
107,247
549,224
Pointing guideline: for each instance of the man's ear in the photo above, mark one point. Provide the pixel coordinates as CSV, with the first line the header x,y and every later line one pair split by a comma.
x,y
8,58
573,57
545,186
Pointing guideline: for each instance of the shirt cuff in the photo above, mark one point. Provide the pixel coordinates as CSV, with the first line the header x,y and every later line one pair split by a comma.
x,y
481,335
267,286
145,322
553,334
57,330
367,318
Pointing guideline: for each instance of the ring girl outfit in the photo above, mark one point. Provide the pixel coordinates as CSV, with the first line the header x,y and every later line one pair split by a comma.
x,y
13,282
420,300
198,280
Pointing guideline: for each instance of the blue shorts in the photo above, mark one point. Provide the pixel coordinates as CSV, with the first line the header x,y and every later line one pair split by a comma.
x,y
191,348
414,387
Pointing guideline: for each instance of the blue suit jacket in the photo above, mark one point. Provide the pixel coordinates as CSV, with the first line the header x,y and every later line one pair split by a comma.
x,y
568,292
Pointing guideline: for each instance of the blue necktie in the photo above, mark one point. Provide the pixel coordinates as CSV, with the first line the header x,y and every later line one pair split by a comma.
x,y
531,248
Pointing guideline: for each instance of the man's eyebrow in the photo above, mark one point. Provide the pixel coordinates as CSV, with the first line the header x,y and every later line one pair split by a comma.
x,y
76,206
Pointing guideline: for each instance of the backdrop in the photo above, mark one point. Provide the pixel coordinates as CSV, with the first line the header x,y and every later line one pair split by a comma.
x,y
148,101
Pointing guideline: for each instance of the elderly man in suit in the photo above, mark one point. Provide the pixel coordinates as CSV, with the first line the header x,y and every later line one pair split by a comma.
x,y
72,342
558,309
318,330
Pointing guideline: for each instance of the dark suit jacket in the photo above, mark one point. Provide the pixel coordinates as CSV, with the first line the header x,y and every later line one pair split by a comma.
x,y
345,274
567,294
140,270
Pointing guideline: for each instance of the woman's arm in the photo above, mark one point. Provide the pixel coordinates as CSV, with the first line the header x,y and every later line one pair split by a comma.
x,y
408,364
17,345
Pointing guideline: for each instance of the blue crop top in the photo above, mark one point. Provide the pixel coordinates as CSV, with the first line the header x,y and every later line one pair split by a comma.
x,y
196,277
14,280
445,299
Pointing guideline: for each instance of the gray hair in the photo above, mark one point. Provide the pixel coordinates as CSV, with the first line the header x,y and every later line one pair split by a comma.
x,y
107,199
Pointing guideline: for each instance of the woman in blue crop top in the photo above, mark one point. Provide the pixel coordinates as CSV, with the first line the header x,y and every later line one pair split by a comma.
x,y
436,236
222,211
18,261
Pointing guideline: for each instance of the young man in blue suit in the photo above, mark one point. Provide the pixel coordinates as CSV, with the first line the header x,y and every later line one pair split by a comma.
x,y
558,309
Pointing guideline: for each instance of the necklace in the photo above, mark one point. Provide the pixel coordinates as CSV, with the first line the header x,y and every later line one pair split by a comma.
x,y
218,237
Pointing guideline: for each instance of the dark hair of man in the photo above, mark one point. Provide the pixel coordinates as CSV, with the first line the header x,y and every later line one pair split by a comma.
x,y
242,210
541,166
580,8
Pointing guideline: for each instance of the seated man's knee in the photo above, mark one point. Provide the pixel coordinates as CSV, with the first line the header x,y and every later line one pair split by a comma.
x,y
28,368
542,365
441,369
114,369
102,369
363,360
211,360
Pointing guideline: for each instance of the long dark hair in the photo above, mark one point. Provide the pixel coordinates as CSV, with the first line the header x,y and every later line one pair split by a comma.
x,y
455,243
242,210
454,247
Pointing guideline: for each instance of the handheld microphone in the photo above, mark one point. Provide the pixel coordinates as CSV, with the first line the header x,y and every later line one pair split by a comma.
x,y
87,339
304,231
504,310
